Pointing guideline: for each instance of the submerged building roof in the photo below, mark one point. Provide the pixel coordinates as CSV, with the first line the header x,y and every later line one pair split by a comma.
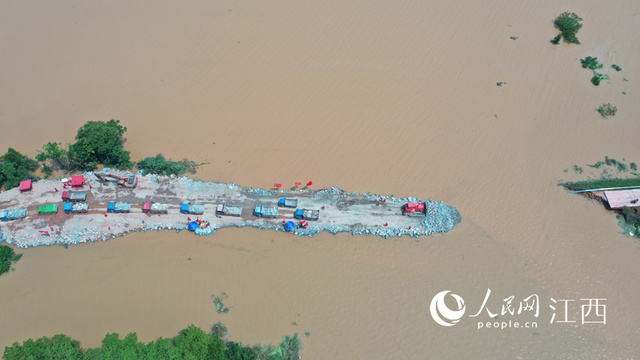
x,y
623,198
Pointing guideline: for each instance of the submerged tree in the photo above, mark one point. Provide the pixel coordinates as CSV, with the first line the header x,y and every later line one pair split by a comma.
x,y
99,142
607,110
160,165
597,77
591,62
568,24
56,153
15,167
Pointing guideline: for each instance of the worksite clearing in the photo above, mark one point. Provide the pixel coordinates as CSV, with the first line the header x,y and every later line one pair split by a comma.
x,y
336,209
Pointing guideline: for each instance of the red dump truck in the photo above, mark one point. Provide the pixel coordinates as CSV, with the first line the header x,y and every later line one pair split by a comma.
x,y
413,209
155,208
74,196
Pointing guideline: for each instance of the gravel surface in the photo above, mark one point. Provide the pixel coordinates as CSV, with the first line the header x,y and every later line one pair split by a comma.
x,y
340,211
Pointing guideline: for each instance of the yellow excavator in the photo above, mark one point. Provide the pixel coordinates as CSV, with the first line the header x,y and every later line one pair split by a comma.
x,y
130,181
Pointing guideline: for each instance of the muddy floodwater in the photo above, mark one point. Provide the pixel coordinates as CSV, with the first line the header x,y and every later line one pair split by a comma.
x,y
385,97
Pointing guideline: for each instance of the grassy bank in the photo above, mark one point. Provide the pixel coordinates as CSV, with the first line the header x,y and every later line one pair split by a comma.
x,y
628,218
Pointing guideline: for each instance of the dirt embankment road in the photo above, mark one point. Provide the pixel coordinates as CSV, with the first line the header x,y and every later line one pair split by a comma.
x,y
339,211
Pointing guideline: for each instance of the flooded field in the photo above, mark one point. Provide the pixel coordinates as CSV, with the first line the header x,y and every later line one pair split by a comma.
x,y
390,98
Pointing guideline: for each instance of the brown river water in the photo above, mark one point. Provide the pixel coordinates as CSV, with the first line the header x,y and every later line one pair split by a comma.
x,y
388,97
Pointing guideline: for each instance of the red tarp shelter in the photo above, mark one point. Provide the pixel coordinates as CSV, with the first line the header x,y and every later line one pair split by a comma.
x,y
77,180
25,185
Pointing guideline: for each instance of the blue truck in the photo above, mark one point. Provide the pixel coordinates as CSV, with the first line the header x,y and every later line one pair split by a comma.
x,y
76,207
187,208
307,214
290,203
14,214
120,207
266,211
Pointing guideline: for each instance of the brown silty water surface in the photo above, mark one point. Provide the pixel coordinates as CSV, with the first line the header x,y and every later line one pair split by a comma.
x,y
387,97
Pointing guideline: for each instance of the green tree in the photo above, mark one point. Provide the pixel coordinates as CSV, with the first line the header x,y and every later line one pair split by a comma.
x,y
115,348
191,343
6,256
55,152
568,24
99,142
163,349
194,343
57,347
591,62
235,351
15,167
597,78
607,110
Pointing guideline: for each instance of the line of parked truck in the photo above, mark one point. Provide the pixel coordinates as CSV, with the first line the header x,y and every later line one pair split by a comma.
x,y
75,203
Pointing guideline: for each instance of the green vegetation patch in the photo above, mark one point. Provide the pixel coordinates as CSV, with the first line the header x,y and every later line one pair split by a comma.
x,y
15,167
99,142
7,256
616,67
591,62
191,343
218,302
568,24
629,220
607,110
600,184
597,77
160,165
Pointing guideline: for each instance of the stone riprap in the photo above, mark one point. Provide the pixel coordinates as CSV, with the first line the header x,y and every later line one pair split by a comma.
x,y
353,213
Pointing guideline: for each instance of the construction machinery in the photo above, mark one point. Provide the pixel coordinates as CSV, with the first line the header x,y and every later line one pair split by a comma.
x,y
130,181
155,208
290,203
414,209
266,211
76,207
48,209
307,214
224,209
119,207
188,208
14,214
74,196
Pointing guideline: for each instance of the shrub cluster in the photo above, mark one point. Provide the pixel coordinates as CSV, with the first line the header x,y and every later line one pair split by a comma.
x,y
568,24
